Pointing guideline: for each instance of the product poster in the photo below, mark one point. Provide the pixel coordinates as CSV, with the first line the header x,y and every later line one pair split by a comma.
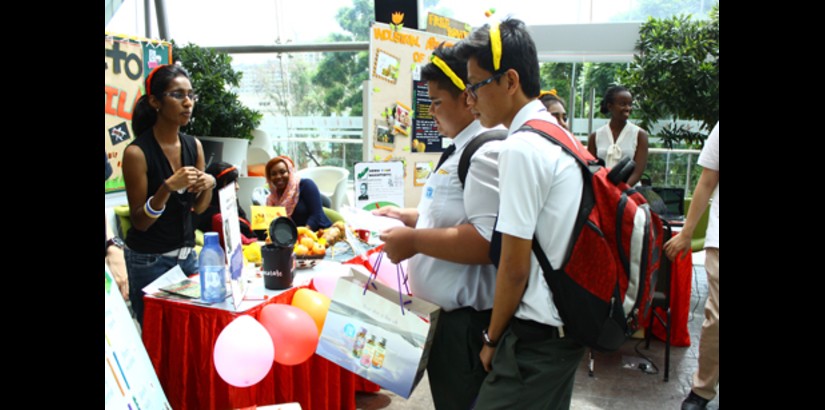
x,y
232,241
127,63
130,380
379,184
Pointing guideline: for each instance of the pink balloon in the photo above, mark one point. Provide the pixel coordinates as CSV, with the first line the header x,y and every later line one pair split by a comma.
x,y
292,330
243,352
325,284
387,271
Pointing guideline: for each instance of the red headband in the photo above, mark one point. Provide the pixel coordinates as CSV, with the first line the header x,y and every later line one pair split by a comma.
x,y
149,78
226,171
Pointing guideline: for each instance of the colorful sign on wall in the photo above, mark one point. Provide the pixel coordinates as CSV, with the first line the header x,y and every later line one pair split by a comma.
x,y
128,60
400,127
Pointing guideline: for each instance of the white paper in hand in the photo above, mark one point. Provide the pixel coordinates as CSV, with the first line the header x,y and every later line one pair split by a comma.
x,y
361,219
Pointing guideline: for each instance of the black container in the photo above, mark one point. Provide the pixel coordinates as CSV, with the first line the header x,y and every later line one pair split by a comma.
x,y
277,257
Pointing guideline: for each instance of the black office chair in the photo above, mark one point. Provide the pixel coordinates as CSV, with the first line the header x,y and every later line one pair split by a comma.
x,y
661,298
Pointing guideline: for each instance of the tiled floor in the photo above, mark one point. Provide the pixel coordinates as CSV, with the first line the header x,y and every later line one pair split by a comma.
x,y
618,383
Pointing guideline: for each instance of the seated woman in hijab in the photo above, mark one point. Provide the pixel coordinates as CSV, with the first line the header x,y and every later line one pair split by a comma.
x,y
300,196
210,220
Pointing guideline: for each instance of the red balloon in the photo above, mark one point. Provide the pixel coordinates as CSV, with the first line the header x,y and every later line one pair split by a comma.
x,y
293,333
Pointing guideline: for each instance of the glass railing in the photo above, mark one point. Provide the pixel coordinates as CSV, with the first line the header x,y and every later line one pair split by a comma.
x,y
337,141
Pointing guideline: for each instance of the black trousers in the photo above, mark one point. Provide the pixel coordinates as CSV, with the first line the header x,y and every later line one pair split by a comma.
x,y
454,368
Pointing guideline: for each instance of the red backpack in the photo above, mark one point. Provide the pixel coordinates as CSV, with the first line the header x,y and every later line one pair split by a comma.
x,y
605,286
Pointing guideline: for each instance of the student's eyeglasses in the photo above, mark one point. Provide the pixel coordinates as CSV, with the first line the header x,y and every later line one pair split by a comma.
x,y
561,116
471,88
180,95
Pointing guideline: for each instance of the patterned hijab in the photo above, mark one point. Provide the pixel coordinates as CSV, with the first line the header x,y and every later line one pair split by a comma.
x,y
289,198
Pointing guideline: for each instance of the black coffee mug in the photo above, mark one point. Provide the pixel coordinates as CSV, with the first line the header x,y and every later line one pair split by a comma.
x,y
277,267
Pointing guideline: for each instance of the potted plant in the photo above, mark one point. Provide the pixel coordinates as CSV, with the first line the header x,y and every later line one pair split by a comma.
x,y
218,112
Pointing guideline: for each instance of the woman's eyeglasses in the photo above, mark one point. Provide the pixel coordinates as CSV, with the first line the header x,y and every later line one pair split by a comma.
x,y
180,95
471,88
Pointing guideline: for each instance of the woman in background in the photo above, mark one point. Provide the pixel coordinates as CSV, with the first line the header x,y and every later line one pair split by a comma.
x,y
300,196
555,106
619,138
165,182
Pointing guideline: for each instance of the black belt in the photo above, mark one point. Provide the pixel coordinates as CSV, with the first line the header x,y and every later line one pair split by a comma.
x,y
531,331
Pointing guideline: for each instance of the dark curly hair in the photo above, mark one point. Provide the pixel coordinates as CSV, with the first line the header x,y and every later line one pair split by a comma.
x,y
610,96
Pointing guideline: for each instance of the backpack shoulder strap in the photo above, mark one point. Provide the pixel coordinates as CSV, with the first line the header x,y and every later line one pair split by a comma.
x,y
472,147
558,136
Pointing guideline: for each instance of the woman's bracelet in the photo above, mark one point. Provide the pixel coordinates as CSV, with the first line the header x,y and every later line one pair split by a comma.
x,y
151,212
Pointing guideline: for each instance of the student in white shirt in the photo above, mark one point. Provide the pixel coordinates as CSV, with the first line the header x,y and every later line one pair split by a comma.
x,y
531,364
447,239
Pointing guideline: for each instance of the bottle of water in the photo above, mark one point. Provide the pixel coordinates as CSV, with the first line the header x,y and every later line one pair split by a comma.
x,y
212,267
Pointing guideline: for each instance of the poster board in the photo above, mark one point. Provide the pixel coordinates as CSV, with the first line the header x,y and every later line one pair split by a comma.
x,y
399,127
232,242
128,61
130,380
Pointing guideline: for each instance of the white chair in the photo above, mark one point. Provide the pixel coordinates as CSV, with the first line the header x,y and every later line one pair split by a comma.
x,y
331,181
246,187
256,155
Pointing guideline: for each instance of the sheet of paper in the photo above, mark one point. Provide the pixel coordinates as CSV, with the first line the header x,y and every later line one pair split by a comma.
x,y
361,219
171,277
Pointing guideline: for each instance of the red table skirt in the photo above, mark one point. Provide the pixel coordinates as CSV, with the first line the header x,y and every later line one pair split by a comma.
x,y
179,339
680,286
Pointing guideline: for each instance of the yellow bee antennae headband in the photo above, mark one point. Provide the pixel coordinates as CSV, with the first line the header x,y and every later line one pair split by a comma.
x,y
447,71
495,45
551,92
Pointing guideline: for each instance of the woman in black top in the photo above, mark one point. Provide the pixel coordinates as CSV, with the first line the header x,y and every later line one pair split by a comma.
x,y
165,182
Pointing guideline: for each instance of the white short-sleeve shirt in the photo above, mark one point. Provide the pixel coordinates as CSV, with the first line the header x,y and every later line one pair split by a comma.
x,y
540,188
709,158
443,204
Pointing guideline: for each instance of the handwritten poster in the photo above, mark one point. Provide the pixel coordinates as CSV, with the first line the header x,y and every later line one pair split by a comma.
x,y
127,63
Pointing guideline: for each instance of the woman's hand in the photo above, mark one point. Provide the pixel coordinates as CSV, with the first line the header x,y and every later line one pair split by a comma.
x,y
183,178
204,182
117,265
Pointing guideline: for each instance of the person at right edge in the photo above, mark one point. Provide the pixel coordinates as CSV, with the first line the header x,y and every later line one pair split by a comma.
x,y
449,245
706,377
531,364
